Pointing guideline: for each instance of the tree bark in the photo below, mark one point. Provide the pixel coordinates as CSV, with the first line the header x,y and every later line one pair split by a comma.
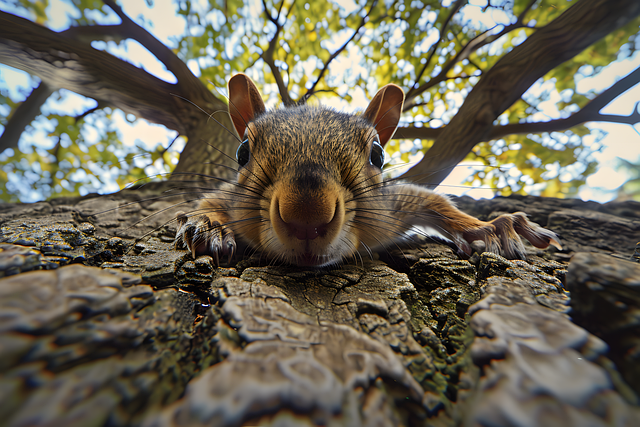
x,y
584,23
418,338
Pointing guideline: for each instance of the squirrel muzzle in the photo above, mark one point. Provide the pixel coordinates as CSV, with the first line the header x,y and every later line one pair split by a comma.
x,y
307,221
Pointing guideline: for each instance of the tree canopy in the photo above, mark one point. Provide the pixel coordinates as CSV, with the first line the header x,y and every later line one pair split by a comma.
x,y
475,73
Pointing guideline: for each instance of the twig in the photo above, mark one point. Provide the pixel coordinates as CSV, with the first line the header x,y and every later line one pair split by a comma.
x,y
100,106
456,7
325,67
473,45
268,58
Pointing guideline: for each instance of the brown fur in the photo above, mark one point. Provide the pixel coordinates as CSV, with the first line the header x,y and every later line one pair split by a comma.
x,y
309,194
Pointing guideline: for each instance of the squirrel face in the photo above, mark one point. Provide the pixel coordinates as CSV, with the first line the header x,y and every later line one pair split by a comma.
x,y
312,158
306,161
310,191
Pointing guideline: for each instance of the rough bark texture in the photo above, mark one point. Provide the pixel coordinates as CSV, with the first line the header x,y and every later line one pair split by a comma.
x,y
417,337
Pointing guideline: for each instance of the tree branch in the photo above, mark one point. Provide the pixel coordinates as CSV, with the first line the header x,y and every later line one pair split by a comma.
x,y
589,113
582,24
89,33
128,29
456,7
268,56
24,114
485,39
81,116
333,56
165,55
464,53
415,132
474,44
62,62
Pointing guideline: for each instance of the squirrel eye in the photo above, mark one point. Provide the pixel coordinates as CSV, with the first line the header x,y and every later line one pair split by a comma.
x,y
377,153
243,153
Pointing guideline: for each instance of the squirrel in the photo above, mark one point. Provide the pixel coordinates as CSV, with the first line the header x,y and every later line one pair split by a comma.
x,y
310,190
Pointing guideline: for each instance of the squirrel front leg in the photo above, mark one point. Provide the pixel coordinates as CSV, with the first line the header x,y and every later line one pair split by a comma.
x,y
418,206
204,231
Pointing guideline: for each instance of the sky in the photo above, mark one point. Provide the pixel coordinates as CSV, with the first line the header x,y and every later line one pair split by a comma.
x,y
621,141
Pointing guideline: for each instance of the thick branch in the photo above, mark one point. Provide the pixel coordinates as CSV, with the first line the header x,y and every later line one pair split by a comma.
x,y
165,55
415,132
89,33
62,62
23,116
573,31
589,113
128,29
65,62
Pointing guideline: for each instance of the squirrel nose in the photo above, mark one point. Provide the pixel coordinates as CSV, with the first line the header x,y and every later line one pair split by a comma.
x,y
304,231
306,217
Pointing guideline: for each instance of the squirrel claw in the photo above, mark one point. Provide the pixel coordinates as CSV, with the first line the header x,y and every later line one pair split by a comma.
x,y
229,245
201,236
502,235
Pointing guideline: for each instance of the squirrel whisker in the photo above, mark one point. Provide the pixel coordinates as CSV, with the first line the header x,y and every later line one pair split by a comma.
x,y
311,190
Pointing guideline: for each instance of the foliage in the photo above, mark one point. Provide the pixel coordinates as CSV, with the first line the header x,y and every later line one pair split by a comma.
x,y
68,167
416,44
631,188
517,163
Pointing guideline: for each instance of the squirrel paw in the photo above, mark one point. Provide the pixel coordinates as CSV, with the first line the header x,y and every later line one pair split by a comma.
x,y
201,236
502,236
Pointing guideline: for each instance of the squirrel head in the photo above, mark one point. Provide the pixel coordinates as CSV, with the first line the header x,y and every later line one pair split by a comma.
x,y
308,163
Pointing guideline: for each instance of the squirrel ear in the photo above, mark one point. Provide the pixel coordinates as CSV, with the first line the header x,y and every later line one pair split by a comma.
x,y
384,111
245,102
